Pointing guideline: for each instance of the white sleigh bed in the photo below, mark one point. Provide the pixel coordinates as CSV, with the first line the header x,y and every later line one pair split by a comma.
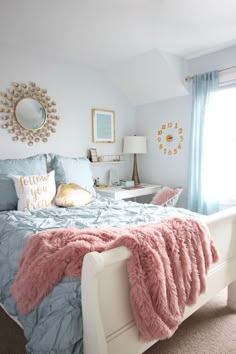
x,y
108,323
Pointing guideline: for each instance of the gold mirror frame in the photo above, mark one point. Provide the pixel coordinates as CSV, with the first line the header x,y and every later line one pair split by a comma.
x,y
16,93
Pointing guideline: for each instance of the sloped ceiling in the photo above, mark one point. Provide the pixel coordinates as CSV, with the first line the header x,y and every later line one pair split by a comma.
x,y
150,77
128,39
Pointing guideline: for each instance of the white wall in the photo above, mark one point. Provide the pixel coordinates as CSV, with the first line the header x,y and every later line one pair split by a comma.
x,y
214,61
173,170
79,88
155,167
76,89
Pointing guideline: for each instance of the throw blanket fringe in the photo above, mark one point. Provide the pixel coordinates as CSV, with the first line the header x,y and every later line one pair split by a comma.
x,y
167,269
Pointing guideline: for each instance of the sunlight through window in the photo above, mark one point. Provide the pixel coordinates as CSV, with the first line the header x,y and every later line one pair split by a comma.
x,y
219,177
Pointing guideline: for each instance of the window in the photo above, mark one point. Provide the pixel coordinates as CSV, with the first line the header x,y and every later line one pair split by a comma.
x,y
219,177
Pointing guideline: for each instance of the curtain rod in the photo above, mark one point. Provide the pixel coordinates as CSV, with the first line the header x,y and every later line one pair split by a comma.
x,y
189,78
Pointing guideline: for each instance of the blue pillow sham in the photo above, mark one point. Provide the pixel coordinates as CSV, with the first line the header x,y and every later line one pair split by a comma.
x,y
33,165
73,170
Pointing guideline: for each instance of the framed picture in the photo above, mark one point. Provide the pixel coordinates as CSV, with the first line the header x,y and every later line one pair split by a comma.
x,y
103,126
93,155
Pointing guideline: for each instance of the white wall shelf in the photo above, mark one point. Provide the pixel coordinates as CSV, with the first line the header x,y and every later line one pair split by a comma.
x,y
106,162
108,159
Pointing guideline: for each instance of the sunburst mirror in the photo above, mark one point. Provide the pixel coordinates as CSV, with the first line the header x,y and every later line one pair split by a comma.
x,y
29,113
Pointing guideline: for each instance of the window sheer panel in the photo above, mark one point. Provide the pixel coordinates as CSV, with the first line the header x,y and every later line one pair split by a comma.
x,y
220,145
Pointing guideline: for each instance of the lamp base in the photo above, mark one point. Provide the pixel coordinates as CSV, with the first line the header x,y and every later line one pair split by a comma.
x,y
135,176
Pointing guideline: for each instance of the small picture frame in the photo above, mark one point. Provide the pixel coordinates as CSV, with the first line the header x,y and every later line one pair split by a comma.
x,y
103,126
93,155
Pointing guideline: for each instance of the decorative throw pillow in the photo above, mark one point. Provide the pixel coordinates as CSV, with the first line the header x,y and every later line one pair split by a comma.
x,y
20,167
73,170
71,195
35,191
165,196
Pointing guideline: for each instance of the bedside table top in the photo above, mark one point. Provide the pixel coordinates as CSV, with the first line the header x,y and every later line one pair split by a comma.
x,y
121,192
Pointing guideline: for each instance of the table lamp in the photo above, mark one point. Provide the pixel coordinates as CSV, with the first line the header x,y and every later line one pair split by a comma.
x,y
135,145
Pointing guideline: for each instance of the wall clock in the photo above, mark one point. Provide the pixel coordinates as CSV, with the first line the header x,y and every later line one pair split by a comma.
x,y
170,138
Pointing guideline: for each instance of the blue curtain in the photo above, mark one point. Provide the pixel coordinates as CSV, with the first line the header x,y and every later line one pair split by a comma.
x,y
203,86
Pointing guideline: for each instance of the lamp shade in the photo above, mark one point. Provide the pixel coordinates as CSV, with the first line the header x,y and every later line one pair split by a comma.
x,y
135,144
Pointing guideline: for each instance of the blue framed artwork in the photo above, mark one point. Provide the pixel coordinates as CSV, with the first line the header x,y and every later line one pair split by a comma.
x,y
103,126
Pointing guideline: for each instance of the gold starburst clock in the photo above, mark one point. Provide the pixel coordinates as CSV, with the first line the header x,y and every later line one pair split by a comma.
x,y
170,138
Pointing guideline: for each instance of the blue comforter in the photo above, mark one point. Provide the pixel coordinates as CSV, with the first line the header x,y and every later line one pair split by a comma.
x,y
55,326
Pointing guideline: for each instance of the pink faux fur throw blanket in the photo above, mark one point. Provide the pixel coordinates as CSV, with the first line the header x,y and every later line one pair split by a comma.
x,y
167,269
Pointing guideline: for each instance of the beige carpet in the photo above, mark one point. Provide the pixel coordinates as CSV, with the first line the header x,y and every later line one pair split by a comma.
x,y
212,329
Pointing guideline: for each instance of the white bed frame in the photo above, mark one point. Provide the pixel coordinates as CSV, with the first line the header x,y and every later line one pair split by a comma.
x,y
108,323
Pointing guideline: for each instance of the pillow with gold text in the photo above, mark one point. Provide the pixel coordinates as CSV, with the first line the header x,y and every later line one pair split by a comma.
x,y
35,191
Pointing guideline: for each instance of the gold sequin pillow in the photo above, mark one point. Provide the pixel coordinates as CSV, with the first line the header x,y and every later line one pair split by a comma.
x,y
71,195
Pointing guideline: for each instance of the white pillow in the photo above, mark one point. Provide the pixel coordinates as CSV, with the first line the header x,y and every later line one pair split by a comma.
x,y
35,192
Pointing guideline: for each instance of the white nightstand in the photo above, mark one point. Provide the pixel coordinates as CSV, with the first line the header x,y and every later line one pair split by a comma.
x,y
128,192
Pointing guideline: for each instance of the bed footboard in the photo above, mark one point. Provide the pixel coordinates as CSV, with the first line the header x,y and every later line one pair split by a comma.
x,y
108,323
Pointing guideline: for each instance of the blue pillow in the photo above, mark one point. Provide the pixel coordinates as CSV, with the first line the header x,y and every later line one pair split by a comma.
x,y
33,165
73,170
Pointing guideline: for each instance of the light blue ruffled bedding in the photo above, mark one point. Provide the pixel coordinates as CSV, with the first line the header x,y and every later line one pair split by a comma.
x,y
55,326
